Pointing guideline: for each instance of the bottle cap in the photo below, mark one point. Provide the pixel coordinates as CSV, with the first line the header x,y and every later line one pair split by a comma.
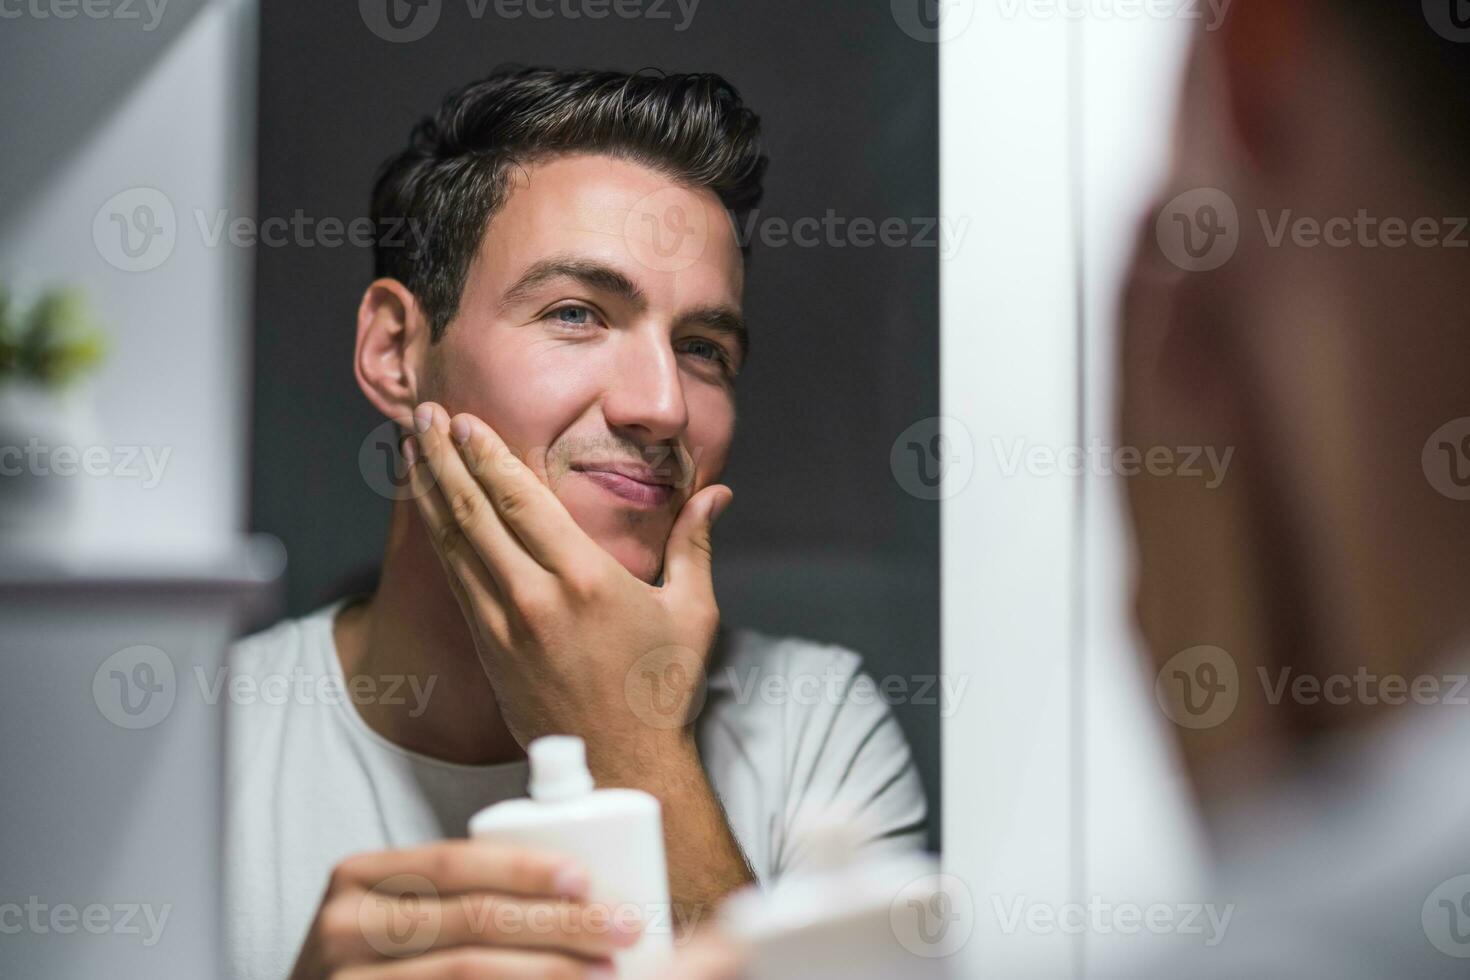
x,y
558,768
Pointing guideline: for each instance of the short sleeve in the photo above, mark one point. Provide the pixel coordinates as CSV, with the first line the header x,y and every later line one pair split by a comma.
x,y
850,760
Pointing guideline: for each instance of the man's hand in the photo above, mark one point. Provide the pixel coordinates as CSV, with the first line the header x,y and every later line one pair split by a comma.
x,y
460,908
573,644
559,624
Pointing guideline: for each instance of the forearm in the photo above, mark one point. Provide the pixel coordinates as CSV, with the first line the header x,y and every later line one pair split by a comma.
x,y
704,858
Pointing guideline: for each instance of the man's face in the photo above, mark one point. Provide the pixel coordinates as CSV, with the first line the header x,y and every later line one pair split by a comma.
x,y
599,333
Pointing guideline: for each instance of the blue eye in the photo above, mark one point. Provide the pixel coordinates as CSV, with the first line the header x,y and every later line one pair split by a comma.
x,y
572,316
705,350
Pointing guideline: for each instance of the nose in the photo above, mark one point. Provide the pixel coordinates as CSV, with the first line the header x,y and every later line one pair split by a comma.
x,y
645,393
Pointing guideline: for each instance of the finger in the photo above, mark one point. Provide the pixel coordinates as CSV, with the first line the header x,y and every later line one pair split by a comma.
x,y
398,925
526,505
509,964
479,595
455,866
689,555
592,931
468,505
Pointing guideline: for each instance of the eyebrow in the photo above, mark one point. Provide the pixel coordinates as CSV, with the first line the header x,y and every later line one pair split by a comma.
x,y
723,320
595,275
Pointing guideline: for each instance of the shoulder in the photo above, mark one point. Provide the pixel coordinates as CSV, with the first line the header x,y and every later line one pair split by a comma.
x,y
284,646
745,653
265,676
757,680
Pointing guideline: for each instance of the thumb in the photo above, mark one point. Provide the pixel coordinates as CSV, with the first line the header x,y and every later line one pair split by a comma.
x,y
689,554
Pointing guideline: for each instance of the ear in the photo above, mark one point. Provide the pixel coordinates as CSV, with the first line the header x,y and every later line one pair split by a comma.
x,y
392,348
1263,47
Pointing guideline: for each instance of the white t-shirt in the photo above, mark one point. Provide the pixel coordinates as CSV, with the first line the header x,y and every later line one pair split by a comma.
x,y
1358,868
790,730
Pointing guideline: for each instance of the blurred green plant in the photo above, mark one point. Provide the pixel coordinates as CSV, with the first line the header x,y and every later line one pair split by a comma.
x,y
54,343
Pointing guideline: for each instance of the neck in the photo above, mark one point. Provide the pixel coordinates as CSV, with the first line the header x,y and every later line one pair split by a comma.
x,y
411,643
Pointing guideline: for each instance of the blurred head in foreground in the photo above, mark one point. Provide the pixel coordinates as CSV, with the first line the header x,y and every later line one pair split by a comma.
x,y
1302,297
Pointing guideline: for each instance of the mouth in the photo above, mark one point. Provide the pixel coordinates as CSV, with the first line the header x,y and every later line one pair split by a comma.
x,y
633,483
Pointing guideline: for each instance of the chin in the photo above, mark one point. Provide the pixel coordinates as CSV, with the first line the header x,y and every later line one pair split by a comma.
x,y
636,540
640,561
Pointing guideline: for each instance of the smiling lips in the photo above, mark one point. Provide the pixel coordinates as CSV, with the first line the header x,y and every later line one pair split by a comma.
x,y
633,482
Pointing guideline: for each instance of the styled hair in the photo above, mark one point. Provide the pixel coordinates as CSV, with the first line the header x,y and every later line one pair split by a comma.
x,y
456,171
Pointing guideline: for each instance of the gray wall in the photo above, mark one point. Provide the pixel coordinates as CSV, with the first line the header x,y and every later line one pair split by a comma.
x,y
822,541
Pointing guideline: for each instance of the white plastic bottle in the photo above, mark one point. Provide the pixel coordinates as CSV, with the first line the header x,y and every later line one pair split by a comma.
x,y
616,834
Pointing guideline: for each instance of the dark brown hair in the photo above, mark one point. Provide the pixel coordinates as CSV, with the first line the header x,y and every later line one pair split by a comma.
x,y
454,173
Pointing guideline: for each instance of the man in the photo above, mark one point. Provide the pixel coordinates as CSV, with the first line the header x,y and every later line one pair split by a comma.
x,y
560,331
1309,619
1315,602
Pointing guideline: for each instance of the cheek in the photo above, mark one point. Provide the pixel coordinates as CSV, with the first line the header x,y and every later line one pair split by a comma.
x,y
711,431
527,404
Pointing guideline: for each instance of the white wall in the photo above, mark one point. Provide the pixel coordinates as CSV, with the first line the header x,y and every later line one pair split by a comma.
x,y
1059,784
183,125
1141,842
1009,361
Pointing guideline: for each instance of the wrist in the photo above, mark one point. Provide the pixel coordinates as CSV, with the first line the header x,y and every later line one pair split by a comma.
x,y
655,762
